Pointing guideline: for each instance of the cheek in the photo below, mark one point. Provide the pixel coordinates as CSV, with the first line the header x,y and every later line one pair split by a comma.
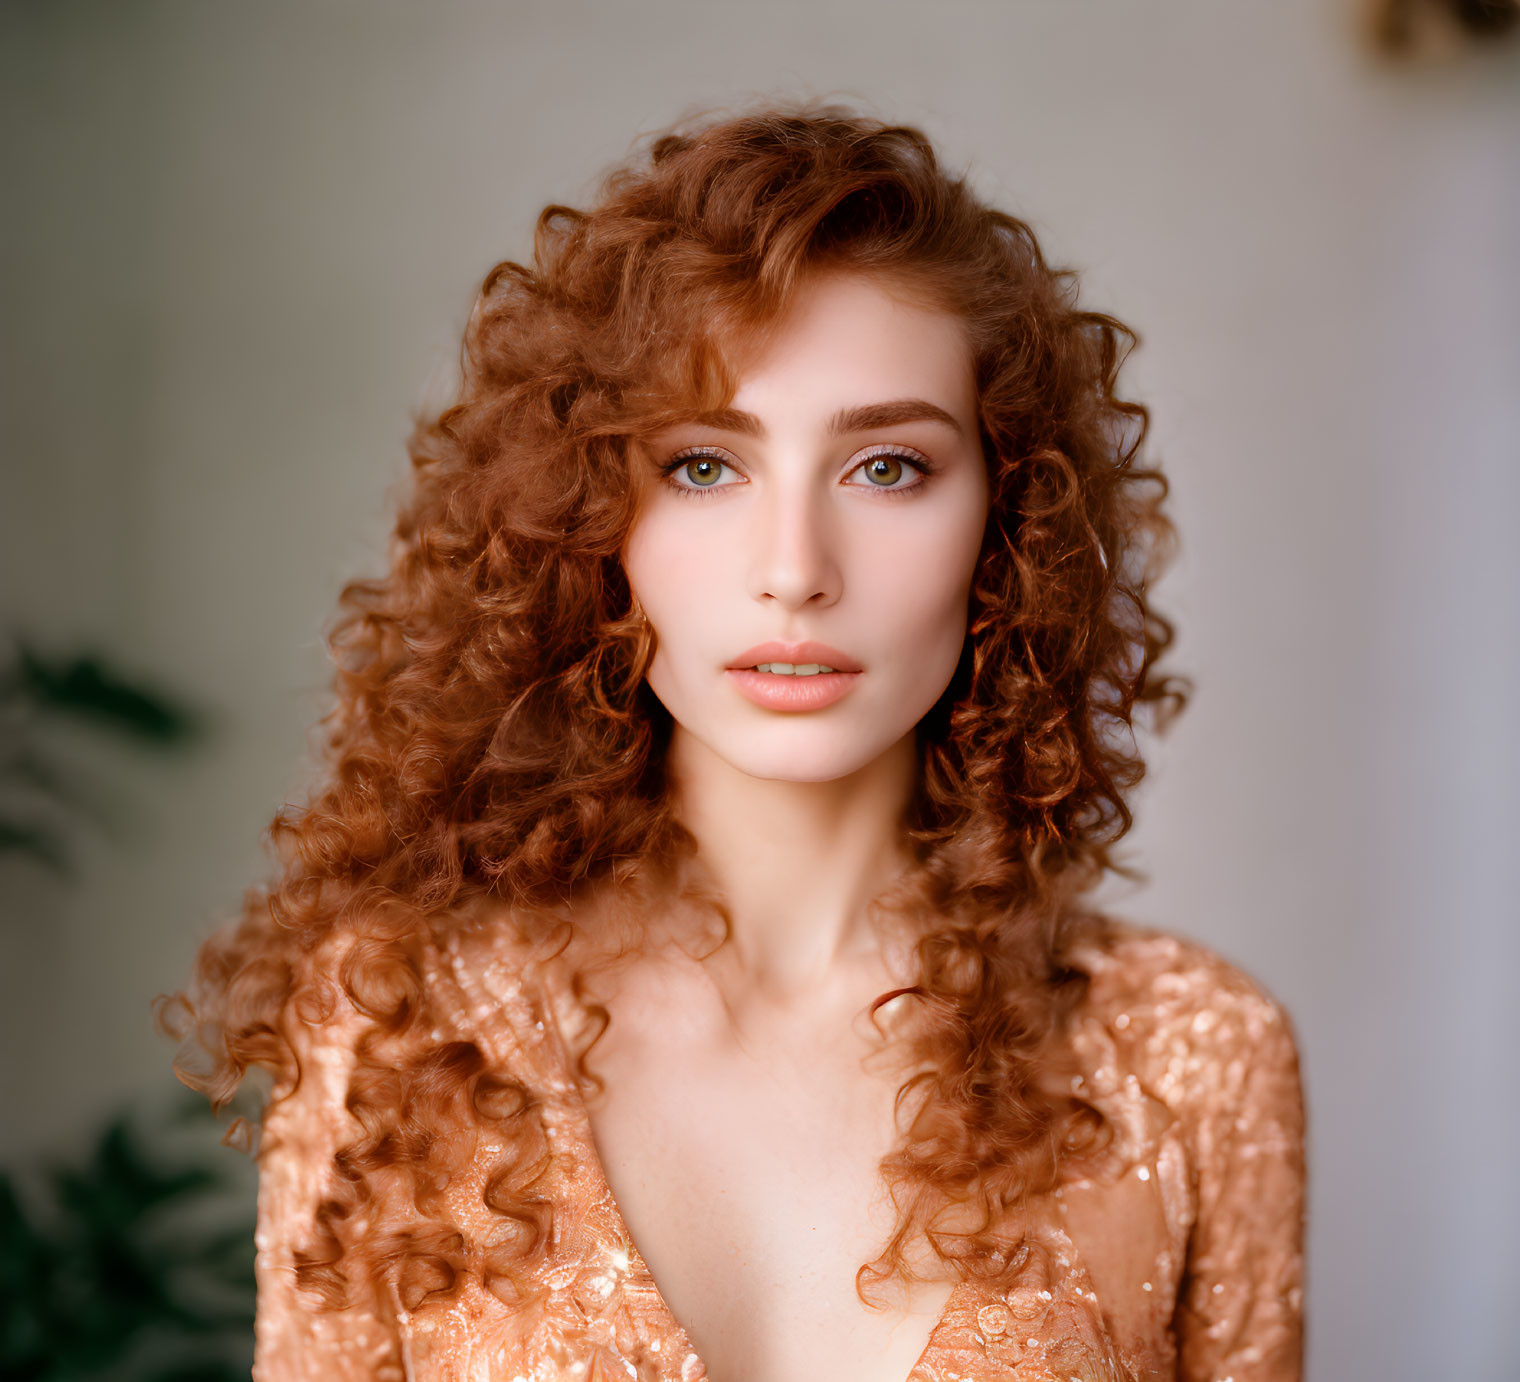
x,y
641,562
671,573
922,576
660,566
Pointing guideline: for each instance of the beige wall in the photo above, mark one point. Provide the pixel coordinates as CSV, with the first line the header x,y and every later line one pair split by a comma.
x,y
240,245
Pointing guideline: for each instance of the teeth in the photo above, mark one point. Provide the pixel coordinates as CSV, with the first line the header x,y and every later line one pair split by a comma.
x,y
794,669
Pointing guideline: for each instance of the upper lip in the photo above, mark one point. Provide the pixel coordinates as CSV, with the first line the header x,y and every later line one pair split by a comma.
x,y
795,653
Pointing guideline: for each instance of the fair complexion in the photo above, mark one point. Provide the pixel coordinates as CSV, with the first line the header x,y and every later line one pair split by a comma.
x,y
841,499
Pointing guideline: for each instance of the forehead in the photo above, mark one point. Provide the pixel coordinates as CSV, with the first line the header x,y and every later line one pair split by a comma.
x,y
856,338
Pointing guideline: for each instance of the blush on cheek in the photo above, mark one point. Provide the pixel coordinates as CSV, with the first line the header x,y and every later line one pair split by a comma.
x,y
941,654
932,630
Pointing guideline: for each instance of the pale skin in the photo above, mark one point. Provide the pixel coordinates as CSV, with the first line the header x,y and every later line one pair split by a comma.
x,y
749,1101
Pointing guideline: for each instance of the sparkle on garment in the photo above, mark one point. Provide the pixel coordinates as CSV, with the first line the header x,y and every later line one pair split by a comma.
x,y
1189,1269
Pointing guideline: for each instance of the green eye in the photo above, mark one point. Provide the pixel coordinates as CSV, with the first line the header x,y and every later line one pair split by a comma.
x,y
704,470
697,473
887,469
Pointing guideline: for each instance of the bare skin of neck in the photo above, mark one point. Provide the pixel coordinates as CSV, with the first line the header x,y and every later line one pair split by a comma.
x,y
748,1097
797,863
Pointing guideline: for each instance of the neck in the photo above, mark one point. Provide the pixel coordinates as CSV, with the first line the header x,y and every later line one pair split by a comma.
x,y
796,862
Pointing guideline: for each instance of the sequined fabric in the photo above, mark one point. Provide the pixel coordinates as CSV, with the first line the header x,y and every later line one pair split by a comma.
x,y
1177,1256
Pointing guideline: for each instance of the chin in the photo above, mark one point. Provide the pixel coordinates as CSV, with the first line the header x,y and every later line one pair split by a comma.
x,y
797,753
782,770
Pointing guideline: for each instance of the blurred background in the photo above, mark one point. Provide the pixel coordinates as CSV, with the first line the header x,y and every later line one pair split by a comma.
x,y
240,245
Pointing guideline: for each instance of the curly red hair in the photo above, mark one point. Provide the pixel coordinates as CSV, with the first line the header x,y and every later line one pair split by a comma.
x,y
493,743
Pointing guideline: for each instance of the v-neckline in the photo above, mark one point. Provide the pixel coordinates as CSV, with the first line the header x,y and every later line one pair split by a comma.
x,y
603,1187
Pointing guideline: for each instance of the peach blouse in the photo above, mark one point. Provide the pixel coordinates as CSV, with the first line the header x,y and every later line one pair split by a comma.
x,y
1190,1264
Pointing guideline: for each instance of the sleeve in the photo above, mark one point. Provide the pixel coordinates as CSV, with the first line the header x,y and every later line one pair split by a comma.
x,y
1240,1307
295,1338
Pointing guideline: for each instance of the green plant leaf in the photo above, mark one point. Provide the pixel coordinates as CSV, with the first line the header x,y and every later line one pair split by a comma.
x,y
124,1266
44,845
85,687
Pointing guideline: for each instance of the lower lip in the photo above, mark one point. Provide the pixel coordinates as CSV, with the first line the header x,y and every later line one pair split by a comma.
x,y
778,691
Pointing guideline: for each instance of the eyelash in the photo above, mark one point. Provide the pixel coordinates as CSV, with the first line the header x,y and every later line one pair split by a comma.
x,y
920,463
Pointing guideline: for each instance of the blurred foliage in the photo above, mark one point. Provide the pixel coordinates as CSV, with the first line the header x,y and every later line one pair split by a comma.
x,y
127,1272
76,691
134,1264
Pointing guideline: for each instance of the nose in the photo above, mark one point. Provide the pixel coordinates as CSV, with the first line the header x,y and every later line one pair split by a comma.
x,y
795,560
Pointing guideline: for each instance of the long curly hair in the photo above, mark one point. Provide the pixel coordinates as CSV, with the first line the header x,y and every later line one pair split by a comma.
x,y
493,743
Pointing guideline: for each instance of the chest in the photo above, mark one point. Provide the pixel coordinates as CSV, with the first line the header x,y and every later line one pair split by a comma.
x,y
750,1181
747,1169
718,1199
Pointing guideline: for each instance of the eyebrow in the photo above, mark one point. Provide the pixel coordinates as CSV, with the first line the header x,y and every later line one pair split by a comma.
x,y
862,419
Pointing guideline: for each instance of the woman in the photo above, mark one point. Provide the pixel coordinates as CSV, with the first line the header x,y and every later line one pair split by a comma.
x,y
682,970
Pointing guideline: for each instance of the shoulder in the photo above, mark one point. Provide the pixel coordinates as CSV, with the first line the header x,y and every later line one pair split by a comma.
x,y
1126,962
1193,1060
319,1031
1189,1023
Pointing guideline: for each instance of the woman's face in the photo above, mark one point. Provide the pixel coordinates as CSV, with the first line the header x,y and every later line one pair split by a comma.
x,y
840,501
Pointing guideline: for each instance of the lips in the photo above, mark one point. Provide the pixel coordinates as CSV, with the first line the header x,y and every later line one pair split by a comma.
x,y
795,653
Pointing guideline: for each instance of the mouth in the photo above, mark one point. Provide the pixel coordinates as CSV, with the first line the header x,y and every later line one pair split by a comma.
x,y
793,687
790,669
805,659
